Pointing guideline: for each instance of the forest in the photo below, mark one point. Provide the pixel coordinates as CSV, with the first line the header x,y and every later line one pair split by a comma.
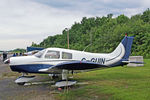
x,y
104,34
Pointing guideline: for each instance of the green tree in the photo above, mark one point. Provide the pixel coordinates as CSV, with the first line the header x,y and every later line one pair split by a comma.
x,y
146,16
106,33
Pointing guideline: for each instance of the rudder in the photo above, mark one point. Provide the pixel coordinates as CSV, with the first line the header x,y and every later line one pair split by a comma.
x,y
127,43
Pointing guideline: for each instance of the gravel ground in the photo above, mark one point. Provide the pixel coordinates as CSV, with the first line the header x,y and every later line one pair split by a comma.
x,y
11,91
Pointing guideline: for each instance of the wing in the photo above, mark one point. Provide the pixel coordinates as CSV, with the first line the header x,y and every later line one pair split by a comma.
x,y
75,65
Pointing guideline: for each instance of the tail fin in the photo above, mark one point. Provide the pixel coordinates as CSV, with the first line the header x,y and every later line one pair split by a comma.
x,y
121,53
127,43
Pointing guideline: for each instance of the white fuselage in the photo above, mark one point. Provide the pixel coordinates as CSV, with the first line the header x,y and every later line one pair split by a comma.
x,y
101,58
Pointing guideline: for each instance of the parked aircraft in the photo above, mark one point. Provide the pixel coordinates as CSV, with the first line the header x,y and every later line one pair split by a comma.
x,y
56,61
32,50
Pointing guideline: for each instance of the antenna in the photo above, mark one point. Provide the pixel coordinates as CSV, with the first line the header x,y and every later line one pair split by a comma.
x,y
90,42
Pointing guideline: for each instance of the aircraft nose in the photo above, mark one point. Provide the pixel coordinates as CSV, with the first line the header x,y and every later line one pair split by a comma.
x,y
7,61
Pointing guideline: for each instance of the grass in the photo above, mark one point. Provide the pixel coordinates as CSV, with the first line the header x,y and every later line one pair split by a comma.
x,y
118,83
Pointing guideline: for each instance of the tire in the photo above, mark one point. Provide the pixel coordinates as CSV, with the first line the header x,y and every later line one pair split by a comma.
x,y
21,83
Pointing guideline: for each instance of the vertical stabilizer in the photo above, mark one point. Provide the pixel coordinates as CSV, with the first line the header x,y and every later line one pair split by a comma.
x,y
127,43
121,53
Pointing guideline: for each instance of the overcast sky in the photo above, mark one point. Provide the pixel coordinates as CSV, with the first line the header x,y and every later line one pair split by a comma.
x,y
25,21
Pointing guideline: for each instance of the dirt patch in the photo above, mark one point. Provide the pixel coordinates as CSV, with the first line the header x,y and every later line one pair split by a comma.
x,y
11,91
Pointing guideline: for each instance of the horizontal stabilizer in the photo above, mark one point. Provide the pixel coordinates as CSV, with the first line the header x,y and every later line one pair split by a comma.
x,y
134,62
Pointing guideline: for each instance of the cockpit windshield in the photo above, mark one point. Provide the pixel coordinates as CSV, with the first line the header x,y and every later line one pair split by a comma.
x,y
40,53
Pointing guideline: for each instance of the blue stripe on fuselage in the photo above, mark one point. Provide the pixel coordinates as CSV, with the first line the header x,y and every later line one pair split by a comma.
x,y
29,68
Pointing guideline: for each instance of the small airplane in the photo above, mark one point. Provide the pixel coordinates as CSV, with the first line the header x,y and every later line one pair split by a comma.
x,y
56,61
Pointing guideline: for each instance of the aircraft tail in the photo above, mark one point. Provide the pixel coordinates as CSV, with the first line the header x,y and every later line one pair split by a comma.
x,y
123,50
127,43
120,55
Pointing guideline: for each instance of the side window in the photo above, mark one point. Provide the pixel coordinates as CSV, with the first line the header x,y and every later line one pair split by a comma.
x,y
52,54
66,55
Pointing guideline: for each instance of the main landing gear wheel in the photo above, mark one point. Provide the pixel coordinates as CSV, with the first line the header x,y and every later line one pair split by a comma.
x,y
21,83
55,77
